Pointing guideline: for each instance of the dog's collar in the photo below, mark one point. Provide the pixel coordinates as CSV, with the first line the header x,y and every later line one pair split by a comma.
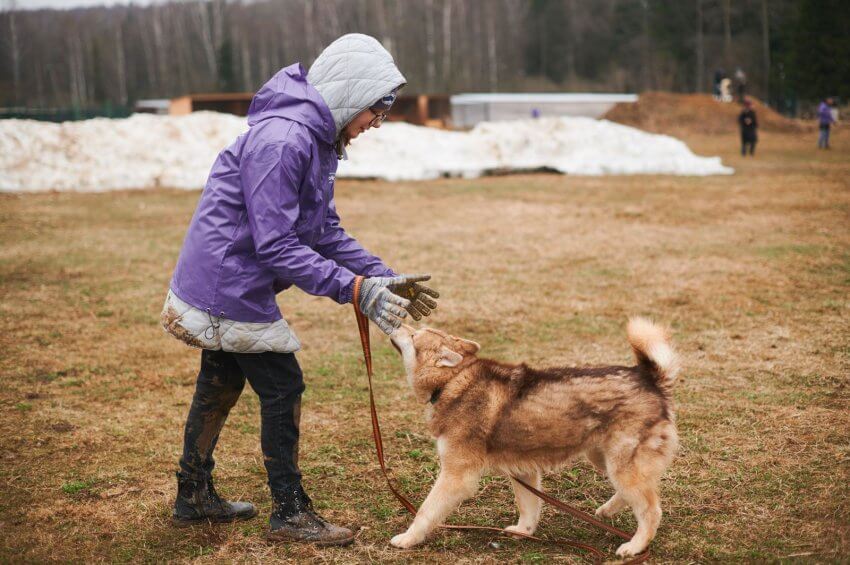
x,y
435,396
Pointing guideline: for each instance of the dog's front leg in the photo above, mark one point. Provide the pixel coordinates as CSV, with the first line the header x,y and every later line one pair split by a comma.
x,y
453,486
528,503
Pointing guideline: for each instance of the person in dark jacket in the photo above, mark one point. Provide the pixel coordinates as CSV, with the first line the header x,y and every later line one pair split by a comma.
x,y
267,220
749,128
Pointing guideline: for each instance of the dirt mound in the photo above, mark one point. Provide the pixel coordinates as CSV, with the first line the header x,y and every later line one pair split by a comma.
x,y
666,112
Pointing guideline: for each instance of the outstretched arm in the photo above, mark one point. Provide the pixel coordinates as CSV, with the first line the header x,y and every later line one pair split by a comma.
x,y
337,245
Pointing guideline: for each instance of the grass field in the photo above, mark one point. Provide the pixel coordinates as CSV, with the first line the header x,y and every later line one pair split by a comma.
x,y
751,271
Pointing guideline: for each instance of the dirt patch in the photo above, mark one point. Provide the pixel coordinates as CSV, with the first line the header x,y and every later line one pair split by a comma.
x,y
669,113
170,320
63,427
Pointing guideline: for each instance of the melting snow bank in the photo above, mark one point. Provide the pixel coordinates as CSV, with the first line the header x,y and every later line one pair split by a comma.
x,y
146,151
576,146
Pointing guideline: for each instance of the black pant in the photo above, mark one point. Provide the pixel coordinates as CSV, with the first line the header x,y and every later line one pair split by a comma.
x,y
277,380
748,143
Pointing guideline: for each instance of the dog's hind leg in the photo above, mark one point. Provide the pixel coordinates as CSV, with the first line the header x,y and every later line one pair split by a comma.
x,y
528,503
641,493
611,508
453,486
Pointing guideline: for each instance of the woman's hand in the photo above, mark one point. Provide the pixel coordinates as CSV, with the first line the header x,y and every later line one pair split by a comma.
x,y
421,297
380,305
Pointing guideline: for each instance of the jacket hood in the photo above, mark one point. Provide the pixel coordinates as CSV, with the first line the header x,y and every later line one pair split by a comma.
x,y
353,73
289,95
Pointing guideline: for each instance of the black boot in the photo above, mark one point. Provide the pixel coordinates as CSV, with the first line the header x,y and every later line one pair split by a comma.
x,y
293,519
197,502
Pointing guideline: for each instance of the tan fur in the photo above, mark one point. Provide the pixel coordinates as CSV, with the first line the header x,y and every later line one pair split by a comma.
x,y
521,421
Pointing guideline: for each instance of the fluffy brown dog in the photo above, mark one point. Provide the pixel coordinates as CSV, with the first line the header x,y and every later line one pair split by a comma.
x,y
521,421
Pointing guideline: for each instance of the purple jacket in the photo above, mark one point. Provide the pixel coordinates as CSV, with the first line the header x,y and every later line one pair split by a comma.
x,y
267,219
825,114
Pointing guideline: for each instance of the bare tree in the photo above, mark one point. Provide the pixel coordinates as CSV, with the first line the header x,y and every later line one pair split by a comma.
x,y
430,46
765,38
446,67
646,57
492,58
120,65
205,31
700,49
310,28
727,32
76,68
14,50
571,40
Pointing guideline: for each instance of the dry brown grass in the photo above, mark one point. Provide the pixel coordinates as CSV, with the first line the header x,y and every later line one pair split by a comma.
x,y
752,272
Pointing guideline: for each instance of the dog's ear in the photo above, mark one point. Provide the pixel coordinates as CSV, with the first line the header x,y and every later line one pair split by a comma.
x,y
469,347
449,358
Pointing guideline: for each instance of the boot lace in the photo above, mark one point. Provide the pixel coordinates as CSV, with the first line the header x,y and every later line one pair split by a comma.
x,y
295,502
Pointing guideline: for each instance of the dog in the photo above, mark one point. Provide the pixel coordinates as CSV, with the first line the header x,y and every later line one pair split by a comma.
x,y
521,421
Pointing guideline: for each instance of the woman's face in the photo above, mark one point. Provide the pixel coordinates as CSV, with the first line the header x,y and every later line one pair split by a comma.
x,y
361,123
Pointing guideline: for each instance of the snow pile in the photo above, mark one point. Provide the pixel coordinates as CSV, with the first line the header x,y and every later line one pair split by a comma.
x,y
577,146
146,151
102,154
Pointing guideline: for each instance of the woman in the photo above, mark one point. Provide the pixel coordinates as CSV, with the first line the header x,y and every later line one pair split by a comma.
x,y
266,221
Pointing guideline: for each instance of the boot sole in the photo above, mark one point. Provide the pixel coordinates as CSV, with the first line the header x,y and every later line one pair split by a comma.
x,y
317,543
185,523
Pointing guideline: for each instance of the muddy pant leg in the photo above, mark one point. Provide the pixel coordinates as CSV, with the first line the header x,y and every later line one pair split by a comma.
x,y
220,382
278,381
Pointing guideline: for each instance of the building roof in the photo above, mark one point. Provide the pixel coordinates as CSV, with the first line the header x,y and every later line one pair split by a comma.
x,y
542,97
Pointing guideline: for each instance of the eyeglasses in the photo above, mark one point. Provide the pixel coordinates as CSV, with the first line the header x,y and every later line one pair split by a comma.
x,y
378,119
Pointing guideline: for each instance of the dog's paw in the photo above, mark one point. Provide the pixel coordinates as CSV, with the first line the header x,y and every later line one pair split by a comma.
x,y
405,540
629,549
517,529
609,510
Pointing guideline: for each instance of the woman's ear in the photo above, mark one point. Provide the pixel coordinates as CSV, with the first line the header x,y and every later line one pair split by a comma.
x,y
449,358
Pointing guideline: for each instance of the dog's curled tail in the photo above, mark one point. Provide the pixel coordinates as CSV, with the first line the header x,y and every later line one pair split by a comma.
x,y
651,345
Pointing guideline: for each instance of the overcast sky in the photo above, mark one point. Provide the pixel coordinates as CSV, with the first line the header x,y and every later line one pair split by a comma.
x,y
35,4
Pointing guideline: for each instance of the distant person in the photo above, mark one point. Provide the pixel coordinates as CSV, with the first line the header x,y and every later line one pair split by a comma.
x,y
535,113
825,118
748,124
719,75
726,90
266,221
740,84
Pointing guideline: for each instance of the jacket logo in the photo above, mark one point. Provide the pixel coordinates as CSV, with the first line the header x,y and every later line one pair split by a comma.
x,y
332,177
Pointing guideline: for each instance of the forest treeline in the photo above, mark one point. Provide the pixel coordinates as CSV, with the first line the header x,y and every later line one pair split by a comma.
x,y
789,49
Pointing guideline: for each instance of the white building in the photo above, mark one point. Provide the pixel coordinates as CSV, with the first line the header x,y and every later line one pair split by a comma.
x,y
469,109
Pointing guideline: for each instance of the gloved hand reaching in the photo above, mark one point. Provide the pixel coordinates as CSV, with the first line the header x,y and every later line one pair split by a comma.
x,y
380,305
420,296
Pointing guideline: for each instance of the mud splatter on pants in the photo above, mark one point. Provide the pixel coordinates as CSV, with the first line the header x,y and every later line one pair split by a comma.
x,y
277,380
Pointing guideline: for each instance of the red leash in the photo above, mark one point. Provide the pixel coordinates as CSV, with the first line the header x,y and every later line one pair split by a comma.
x,y
363,327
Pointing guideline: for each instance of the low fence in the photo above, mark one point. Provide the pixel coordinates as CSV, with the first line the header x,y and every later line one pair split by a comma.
x,y
65,114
